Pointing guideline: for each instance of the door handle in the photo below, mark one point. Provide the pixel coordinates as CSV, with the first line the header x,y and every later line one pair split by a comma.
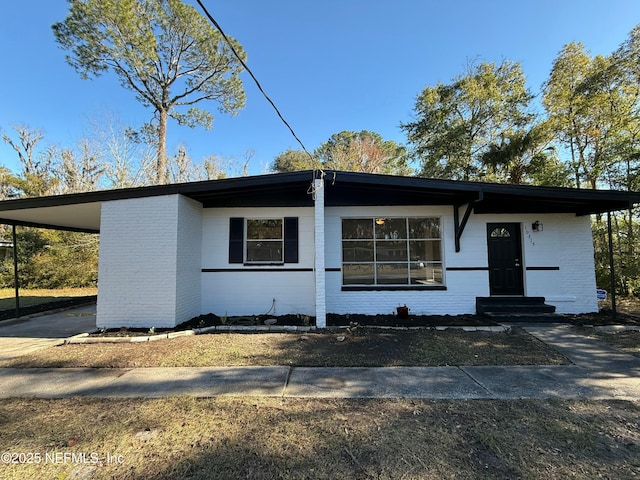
x,y
517,262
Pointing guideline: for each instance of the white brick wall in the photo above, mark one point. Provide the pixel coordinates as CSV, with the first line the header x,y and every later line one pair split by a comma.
x,y
250,290
189,262
579,279
138,266
153,250
565,242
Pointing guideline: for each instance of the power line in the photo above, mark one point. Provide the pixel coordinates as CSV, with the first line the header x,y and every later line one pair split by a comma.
x,y
246,67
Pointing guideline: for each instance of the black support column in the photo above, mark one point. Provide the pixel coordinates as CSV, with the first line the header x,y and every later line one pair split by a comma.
x,y
16,280
612,272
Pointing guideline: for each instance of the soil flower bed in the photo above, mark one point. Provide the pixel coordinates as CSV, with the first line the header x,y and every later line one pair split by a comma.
x,y
357,320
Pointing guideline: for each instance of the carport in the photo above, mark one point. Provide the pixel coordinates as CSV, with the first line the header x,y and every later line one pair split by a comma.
x,y
77,218
81,212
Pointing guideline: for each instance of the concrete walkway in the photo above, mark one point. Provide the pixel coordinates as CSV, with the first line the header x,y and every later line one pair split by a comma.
x,y
597,372
28,334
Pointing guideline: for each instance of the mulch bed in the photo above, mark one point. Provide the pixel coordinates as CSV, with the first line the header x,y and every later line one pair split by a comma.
x,y
603,317
210,320
334,320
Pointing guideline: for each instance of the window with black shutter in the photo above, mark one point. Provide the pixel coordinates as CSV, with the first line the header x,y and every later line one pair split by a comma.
x,y
291,240
263,240
236,240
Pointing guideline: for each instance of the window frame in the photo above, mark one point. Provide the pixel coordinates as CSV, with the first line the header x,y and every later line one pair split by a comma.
x,y
375,263
247,240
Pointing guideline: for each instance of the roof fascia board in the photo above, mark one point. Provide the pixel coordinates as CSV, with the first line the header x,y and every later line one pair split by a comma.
x,y
5,221
418,183
213,186
562,193
498,188
461,191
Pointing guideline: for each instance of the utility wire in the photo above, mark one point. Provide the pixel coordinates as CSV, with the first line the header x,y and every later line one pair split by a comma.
x,y
245,66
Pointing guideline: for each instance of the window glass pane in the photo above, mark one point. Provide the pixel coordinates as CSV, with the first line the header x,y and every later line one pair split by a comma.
x,y
426,273
391,228
389,251
357,251
264,229
392,273
424,228
392,251
500,232
264,251
357,228
357,274
425,250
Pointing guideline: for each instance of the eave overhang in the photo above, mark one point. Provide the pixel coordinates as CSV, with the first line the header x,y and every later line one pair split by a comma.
x,y
348,188
81,211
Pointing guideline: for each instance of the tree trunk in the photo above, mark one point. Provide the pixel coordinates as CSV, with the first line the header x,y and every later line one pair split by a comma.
x,y
574,165
161,162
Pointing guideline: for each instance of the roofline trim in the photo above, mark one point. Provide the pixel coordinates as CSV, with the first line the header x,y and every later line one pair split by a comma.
x,y
6,221
186,189
621,199
487,187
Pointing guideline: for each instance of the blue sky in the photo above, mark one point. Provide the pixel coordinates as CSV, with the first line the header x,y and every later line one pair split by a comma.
x,y
329,65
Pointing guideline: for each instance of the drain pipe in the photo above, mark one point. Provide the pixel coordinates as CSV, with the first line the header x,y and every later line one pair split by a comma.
x,y
612,274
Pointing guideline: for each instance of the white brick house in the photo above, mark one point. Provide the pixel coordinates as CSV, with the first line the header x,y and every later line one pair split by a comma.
x,y
337,242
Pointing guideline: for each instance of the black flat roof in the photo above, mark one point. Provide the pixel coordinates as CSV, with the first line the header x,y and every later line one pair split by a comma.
x,y
82,211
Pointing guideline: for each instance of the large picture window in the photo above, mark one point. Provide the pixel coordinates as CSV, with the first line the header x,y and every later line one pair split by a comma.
x,y
391,251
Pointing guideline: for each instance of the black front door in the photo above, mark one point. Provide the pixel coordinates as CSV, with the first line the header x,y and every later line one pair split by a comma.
x,y
505,259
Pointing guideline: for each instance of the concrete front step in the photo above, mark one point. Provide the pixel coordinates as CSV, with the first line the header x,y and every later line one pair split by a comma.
x,y
516,308
521,306
510,300
506,317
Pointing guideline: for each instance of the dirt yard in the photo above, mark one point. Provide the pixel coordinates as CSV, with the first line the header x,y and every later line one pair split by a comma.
x,y
363,347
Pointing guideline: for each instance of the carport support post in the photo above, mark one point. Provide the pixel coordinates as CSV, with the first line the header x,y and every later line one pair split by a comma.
x,y
319,272
612,273
16,282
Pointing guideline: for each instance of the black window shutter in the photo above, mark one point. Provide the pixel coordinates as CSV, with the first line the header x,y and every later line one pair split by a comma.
x,y
236,240
291,240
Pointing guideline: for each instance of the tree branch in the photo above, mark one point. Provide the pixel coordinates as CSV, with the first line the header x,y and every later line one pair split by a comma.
x,y
192,90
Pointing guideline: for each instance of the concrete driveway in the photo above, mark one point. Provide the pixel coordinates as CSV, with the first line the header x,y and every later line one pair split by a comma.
x,y
21,336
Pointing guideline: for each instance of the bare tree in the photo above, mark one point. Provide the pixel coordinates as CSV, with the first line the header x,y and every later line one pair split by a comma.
x,y
36,176
80,170
128,158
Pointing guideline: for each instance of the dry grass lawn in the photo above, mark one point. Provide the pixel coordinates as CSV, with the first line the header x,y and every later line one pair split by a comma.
x,y
267,438
38,296
627,341
623,304
414,348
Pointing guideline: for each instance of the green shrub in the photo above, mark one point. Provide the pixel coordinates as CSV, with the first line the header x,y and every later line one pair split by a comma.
x,y
53,259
